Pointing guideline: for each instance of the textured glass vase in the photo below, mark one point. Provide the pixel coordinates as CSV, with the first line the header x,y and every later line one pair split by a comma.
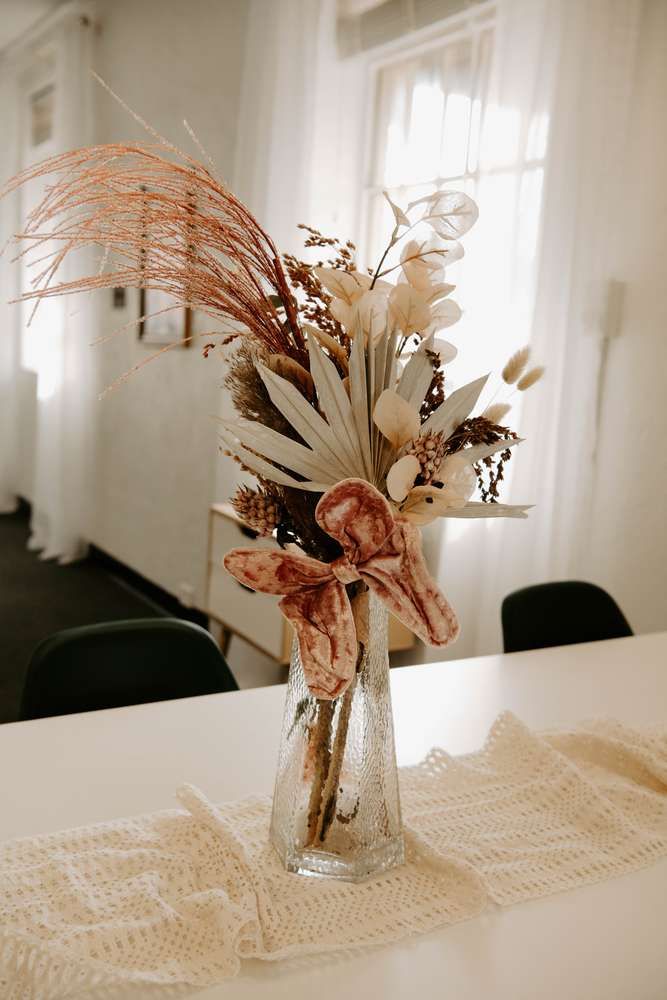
x,y
336,808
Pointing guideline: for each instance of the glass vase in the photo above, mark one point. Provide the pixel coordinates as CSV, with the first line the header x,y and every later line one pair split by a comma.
x,y
336,807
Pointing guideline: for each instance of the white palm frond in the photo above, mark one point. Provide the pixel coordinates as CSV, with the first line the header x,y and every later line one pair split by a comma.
x,y
480,451
359,401
277,448
455,408
415,379
267,470
336,406
305,420
475,508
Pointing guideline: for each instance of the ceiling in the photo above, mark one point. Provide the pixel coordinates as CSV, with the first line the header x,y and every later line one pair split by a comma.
x,y
17,16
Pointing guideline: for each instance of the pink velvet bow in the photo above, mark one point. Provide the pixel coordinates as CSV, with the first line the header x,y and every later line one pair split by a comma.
x,y
383,551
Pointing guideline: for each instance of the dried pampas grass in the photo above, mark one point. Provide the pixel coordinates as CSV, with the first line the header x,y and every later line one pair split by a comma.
x,y
530,378
496,412
163,222
516,365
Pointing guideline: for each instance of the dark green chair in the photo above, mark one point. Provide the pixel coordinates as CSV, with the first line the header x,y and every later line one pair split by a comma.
x,y
123,663
560,614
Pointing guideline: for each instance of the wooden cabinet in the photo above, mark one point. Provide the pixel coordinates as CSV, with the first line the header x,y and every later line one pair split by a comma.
x,y
256,617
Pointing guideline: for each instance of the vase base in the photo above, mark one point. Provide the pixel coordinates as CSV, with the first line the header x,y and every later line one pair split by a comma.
x,y
356,868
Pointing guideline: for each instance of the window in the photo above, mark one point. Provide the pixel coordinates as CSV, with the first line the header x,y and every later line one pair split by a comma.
x,y
438,125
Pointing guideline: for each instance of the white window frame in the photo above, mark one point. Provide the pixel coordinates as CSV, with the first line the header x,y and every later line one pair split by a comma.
x,y
467,24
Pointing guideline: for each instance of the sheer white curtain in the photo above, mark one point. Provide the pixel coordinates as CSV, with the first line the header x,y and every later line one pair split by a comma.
x,y
524,105
60,452
561,85
9,327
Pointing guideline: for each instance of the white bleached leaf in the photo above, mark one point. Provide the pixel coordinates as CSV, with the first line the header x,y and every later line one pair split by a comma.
x,y
480,451
424,261
416,378
268,471
336,405
445,351
401,477
367,313
400,217
475,508
345,285
444,314
455,408
408,310
425,503
359,401
276,447
459,478
396,419
435,293
305,420
449,213
372,313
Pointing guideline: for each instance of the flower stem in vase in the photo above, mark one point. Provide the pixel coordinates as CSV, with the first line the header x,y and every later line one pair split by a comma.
x,y
336,810
320,736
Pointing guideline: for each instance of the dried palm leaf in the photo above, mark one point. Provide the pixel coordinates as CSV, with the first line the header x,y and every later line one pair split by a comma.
x,y
278,449
359,401
456,408
305,420
336,406
416,379
265,469
475,508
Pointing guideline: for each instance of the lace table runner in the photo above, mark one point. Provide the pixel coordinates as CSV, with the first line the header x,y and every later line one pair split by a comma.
x,y
181,897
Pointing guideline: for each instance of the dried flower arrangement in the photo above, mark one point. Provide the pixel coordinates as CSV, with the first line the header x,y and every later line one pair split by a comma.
x,y
337,378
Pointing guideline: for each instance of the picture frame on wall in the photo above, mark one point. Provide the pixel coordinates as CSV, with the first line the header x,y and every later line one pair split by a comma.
x,y
162,321
164,328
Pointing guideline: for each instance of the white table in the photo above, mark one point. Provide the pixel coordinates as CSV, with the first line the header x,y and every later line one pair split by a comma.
x,y
605,941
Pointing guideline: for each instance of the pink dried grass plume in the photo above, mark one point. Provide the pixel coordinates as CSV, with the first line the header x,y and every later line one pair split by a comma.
x,y
164,222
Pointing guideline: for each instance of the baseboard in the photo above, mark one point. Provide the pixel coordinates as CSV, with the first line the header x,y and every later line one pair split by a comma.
x,y
163,602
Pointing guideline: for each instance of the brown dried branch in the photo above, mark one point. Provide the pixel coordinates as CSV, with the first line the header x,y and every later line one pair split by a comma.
x,y
490,471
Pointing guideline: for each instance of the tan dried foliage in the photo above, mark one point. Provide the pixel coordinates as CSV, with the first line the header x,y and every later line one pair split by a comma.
x,y
516,365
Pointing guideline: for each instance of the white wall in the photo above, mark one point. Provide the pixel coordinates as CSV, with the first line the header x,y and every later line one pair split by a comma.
x,y
628,550
156,441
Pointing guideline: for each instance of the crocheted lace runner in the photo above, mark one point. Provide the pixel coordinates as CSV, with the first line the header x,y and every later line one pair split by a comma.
x,y
181,897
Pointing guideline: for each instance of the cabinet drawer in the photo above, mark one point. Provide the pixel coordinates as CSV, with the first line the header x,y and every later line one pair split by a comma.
x,y
253,616
227,532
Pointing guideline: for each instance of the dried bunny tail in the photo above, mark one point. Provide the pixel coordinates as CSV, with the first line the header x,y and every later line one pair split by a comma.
x,y
168,225
516,365
496,412
530,378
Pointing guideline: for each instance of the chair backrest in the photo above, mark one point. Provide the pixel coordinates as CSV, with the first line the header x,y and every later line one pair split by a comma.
x,y
122,663
560,614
